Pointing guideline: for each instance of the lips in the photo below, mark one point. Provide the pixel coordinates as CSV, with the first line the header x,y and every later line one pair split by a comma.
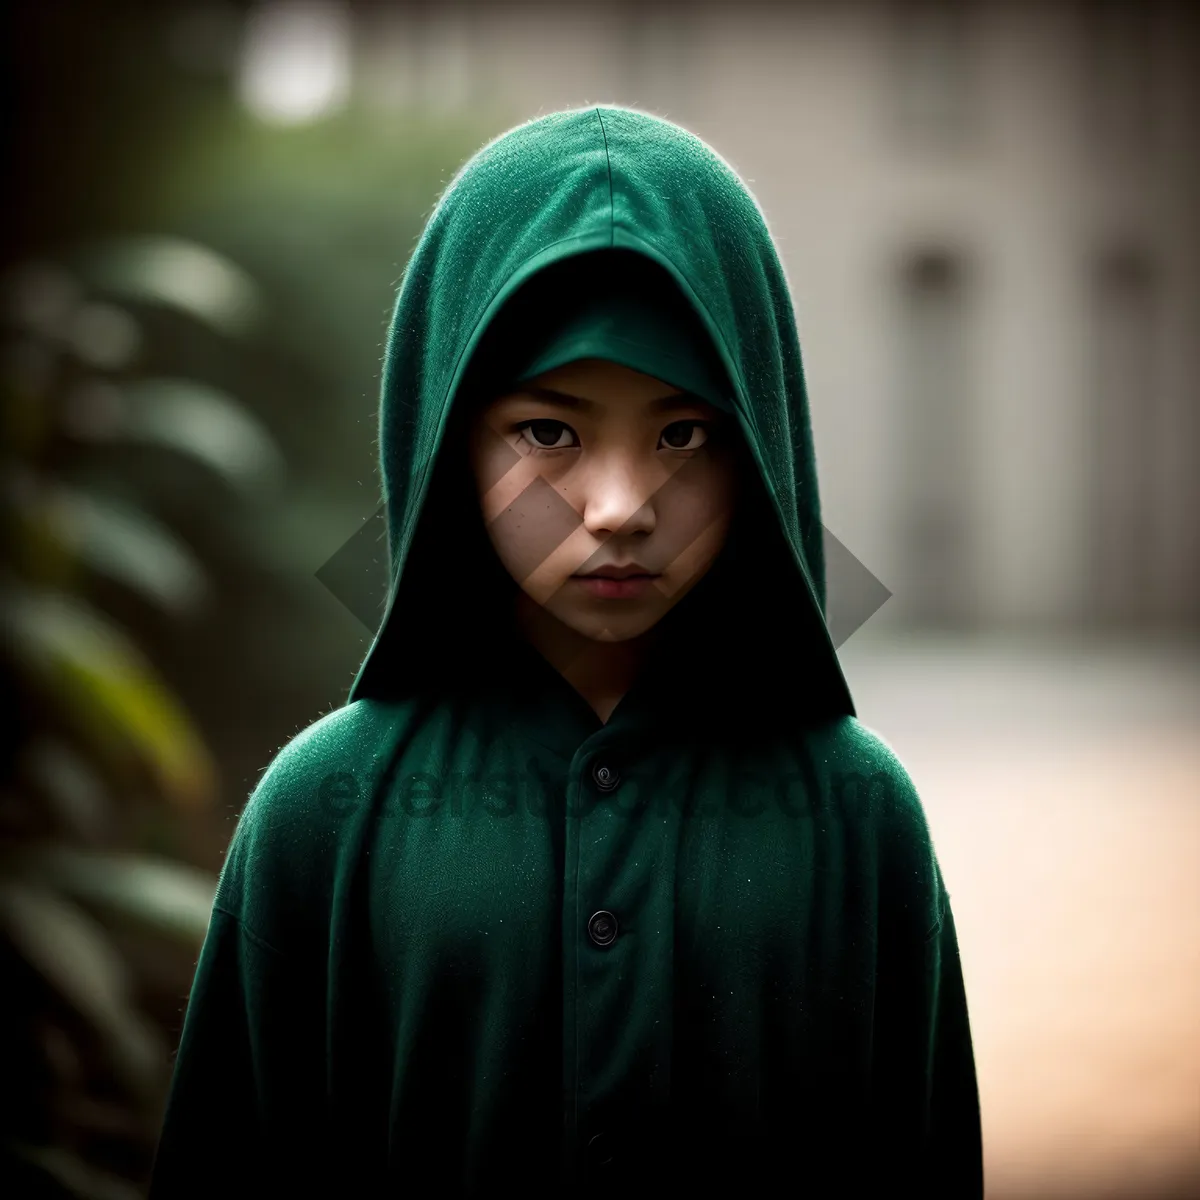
x,y
608,587
629,571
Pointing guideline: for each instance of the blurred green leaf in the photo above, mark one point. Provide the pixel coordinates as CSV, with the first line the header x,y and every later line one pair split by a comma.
x,y
181,415
104,336
73,955
44,300
34,546
68,786
28,370
96,674
41,297
161,897
71,1174
124,543
177,274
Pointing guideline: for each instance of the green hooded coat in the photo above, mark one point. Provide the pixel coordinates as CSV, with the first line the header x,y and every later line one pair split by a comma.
x,y
468,936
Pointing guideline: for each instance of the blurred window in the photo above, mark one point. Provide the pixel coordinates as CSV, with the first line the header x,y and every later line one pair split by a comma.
x,y
1120,101
932,50
1126,415
934,421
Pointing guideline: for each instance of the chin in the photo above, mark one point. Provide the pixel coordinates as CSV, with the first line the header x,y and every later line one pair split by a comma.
x,y
616,630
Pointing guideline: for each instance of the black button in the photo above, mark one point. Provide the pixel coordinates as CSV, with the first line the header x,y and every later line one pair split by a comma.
x,y
599,1152
605,778
602,928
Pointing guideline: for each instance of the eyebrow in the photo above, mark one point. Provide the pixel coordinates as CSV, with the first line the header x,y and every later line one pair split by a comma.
x,y
677,400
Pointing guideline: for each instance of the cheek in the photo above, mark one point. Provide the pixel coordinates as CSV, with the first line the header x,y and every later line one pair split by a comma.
x,y
527,519
527,531
695,509
491,457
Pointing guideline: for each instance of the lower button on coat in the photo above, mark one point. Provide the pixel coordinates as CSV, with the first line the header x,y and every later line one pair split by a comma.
x,y
599,1152
602,928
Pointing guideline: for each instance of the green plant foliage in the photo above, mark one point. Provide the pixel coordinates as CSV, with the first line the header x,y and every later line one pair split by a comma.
x,y
83,667
91,924
233,288
178,274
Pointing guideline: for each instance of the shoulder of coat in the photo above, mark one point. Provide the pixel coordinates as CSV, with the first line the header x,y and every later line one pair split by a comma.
x,y
860,763
331,759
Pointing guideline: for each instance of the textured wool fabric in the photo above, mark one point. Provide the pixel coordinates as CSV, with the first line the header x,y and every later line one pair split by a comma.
x,y
642,323
469,938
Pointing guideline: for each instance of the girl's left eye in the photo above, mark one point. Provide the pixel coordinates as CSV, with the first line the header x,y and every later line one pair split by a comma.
x,y
681,435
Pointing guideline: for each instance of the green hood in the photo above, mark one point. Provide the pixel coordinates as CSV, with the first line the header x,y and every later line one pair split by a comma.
x,y
563,185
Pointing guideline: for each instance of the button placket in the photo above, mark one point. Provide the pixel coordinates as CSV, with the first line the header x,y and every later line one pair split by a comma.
x,y
600,1157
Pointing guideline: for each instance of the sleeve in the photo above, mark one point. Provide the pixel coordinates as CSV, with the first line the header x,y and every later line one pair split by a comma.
x,y
248,1110
243,1109
952,1150
925,1099
213,1136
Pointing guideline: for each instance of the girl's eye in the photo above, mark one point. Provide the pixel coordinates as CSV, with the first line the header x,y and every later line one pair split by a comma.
x,y
546,434
681,435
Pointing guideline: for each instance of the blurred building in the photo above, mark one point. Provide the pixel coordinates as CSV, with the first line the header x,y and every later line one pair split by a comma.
x,y
988,215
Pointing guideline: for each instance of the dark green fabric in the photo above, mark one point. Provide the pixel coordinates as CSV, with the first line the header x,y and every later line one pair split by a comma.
x,y
651,329
399,995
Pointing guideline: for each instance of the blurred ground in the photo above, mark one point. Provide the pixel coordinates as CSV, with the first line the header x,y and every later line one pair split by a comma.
x,y
1061,786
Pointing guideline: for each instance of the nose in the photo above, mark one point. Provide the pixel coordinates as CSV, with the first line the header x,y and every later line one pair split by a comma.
x,y
618,497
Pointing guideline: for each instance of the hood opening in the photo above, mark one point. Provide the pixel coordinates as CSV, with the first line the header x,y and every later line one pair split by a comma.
x,y
450,618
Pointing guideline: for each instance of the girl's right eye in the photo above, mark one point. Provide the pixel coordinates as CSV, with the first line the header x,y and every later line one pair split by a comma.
x,y
545,434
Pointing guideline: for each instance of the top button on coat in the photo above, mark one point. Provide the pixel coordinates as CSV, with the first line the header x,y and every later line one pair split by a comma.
x,y
605,778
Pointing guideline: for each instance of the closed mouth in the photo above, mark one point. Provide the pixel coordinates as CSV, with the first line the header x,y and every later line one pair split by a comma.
x,y
618,573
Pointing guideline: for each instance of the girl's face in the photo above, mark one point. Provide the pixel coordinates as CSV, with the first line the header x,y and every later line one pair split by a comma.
x,y
593,466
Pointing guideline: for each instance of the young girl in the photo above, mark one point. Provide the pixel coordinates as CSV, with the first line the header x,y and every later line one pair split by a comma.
x,y
595,883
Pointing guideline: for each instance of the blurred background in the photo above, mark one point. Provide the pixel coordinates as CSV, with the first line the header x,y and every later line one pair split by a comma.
x,y
990,218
